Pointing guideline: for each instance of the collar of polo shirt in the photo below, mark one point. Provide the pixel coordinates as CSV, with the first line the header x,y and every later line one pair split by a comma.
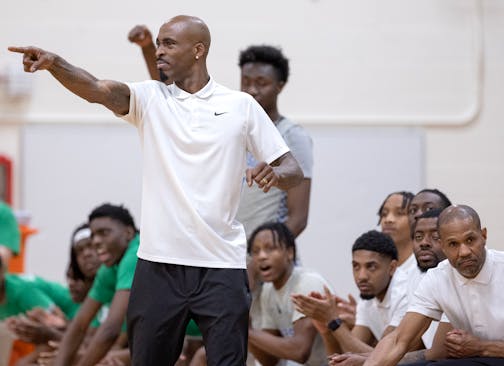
x,y
203,93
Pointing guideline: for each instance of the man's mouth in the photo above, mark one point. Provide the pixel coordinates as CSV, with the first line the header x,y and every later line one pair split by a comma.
x,y
160,64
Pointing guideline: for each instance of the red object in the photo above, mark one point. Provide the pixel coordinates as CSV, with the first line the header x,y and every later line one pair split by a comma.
x,y
6,166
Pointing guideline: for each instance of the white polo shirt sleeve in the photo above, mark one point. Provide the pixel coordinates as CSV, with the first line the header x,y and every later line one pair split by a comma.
x,y
141,94
263,139
424,301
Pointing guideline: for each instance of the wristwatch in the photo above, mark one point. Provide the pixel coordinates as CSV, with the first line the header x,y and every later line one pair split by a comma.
x,y
334,324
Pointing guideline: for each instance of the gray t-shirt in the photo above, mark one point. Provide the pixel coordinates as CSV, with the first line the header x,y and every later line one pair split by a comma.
x,y
278,311
257,207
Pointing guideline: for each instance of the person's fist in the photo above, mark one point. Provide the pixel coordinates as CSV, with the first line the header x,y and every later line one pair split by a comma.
x,y
140,35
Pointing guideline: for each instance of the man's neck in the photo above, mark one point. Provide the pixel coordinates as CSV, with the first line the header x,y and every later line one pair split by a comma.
x,y
194,82
404,251
274,115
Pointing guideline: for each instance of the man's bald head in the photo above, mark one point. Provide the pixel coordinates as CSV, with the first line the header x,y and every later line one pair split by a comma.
x,y
194,28
459,212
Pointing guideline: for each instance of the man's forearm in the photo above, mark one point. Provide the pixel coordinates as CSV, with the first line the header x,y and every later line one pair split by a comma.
x,y
387,352
101,343
412,357
288,171
149,54
492,349
349,342
113,95
277,346
69,344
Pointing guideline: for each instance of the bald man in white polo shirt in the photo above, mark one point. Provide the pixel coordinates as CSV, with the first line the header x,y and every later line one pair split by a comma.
x,y
468,288
195,136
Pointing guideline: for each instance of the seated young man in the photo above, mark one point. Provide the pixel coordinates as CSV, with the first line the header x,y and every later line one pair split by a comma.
x,y
467,288
393,214
39,327
115,238
285,333
382,305
425,200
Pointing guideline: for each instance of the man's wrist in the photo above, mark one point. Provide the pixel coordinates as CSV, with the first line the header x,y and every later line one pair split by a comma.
x,y
334,324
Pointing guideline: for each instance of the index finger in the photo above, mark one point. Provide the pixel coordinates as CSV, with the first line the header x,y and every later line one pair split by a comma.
x,y
18,49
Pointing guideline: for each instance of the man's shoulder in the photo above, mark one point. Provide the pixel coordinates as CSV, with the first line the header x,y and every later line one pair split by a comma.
x,y
305,277
222,91
497,255
286,126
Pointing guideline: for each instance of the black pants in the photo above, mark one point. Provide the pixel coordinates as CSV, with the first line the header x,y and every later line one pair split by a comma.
x,y
473,361
165,296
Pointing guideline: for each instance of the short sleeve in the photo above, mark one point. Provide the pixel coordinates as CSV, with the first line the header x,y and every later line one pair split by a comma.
x,y
10,236
141,95
424,301
399,309
309,282
360,316
263,139
103,288
126,268
301,147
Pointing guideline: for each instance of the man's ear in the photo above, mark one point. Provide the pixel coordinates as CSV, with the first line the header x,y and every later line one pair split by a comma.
x,y
199,50
279,87
393,267
130,232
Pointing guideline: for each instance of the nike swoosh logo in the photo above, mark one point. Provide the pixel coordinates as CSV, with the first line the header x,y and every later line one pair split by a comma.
x,y
218,114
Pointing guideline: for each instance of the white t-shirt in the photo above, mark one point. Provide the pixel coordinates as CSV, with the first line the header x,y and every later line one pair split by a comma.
x,y
378,315
475,305
194,149
278,311
409,266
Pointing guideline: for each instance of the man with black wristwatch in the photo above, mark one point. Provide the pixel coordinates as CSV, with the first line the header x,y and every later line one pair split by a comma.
x,y
383,299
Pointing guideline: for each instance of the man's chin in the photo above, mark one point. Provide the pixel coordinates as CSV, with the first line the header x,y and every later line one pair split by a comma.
x,y
163,77
367,296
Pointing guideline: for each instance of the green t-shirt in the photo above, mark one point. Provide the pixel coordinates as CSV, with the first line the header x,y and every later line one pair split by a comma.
x,y
21,296
192,329
56,292
9,229
108,280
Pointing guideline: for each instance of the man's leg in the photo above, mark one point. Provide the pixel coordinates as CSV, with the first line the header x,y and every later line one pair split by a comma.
x,y
220,306
157,314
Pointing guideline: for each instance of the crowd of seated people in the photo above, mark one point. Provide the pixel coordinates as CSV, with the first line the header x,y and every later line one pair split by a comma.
x,y
443,310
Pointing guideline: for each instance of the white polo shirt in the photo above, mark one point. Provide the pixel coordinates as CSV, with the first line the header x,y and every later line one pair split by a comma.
x,y
475,305
194,157
413,280
409,266
378,315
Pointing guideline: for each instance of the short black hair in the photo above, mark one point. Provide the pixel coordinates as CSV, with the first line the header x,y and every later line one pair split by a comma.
x,y
407,197
445,202
267,55
378,242
281,235
429,214
119,213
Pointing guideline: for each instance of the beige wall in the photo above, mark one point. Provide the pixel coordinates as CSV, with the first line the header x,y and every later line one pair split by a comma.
x,y
399,63
468,162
